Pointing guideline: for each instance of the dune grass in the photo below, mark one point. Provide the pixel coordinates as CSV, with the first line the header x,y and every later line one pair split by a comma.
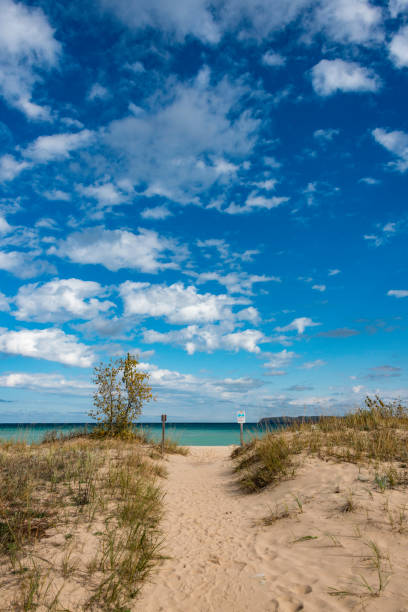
x,y
376,433
104,490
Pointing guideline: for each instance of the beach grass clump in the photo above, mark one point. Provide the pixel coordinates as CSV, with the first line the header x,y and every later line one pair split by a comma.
x,y
171,447
131,540
32,489
266,461
65,487
377,434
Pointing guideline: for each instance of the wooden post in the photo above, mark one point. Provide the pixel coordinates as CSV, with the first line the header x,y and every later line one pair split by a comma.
x,y
163,418
241,431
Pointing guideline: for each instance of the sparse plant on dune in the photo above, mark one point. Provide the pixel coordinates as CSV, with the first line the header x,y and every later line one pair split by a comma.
x,y
376,433
66,485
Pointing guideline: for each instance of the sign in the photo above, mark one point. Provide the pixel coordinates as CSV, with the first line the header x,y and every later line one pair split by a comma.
x,y
241,416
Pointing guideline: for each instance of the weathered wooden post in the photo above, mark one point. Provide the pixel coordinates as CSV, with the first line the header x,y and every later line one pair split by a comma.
x,y
164,419
241,421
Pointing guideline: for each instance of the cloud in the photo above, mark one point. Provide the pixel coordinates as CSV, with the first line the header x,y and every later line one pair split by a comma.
x,y
60,300
309,365
195,133
57,194
396,7
326,135
10,167
106,194
98,92
299,388
334,272
332,76
368,180
24,264
176,303
299,325
280,360
205,21
395,142
343,21
398,293
157,213
348,21
50,383
320,288
358,388
50,344
146,251
384,234
27,46
57,147
235,282
398,48
385,371
182,18
255,202
4,303
208,338
315,402
173,382
273,60
5,227
341,332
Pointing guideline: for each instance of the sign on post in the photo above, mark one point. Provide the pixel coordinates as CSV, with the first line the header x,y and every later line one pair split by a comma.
x,y
164,419
241,421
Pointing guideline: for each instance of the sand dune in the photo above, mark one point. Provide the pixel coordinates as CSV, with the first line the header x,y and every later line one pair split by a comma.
x,y
222,557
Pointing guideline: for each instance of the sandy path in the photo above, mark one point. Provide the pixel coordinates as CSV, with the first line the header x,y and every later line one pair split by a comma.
x,y
223,559
220,560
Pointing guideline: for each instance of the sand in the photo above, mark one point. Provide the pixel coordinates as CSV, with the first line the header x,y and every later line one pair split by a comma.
x,y
223,558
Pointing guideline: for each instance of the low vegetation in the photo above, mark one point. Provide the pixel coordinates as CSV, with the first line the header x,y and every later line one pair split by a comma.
x,y
99,504
375,434
370,505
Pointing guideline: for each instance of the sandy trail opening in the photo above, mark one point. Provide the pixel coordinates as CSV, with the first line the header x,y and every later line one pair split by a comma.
x,y
219,558
222,558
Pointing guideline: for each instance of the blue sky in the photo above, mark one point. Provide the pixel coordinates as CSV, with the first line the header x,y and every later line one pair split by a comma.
x,y
219,188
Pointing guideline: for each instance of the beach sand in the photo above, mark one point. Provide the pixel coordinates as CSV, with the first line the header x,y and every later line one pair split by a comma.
x,y
222,557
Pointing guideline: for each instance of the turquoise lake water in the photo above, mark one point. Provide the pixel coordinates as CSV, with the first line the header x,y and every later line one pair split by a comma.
x,y
187,434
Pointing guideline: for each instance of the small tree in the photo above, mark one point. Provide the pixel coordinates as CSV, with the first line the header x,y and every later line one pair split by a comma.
x,y
121,391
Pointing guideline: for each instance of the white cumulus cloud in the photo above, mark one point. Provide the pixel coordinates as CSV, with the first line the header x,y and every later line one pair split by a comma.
x,y
10,167
176,303
60,300
115,249
209,338
52,383
273,60
24,264
395,142
348,21
398,48
158,213
56,147
50,344
332,76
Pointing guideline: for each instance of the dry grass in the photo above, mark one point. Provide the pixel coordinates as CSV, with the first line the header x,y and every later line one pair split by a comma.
x,y
104,491
376,434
